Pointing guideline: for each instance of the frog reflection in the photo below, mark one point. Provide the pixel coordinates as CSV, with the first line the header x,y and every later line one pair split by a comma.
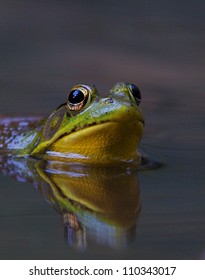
x,y
97,204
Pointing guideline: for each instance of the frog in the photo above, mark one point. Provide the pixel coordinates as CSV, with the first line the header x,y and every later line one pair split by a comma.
x,y
86,128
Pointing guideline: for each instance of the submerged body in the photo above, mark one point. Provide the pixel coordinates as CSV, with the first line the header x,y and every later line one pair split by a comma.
x,y
86,129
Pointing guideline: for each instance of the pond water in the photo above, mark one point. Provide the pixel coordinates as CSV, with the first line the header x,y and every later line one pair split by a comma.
x,y
47,48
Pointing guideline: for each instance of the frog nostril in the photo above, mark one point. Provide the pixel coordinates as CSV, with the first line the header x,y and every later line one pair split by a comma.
x,y
108,100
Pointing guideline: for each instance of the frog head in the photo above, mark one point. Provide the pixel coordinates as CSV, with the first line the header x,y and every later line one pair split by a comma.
x,y
89,128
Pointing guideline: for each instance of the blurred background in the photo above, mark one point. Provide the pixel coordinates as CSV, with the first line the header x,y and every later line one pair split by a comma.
x,y
46,47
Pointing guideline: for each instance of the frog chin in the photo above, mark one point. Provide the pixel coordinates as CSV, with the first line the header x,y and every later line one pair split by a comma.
x,y
100,143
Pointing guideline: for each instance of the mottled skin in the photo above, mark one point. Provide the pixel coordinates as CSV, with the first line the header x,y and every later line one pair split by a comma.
x,y
18,135
87,128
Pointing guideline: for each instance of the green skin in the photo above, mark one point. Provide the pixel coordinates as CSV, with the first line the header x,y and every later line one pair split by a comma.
x,y
33,136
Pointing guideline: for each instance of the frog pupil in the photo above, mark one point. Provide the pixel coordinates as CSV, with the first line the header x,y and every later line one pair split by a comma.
x,y
76,96
136,93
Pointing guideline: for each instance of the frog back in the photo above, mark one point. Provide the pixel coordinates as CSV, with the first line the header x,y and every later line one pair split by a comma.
x,y
18,134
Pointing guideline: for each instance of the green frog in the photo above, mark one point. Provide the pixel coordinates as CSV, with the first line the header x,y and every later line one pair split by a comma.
x,y
87,128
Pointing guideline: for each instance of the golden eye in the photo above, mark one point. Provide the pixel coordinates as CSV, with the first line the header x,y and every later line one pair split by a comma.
x,y
135,93
78,97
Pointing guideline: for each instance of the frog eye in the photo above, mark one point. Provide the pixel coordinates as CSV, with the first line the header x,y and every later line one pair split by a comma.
x,y
78,97
135,93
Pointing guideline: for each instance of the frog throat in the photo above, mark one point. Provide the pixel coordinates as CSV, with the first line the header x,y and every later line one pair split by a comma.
x,y
104,142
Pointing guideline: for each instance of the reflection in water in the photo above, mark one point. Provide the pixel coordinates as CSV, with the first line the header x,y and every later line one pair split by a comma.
x,y
97,204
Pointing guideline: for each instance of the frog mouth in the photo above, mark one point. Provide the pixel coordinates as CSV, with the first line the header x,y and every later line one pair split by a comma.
x,y
96,140
104,141
81,128
93,126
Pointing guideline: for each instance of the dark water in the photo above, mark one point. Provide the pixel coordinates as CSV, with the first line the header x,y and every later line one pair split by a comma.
x,y
48,47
